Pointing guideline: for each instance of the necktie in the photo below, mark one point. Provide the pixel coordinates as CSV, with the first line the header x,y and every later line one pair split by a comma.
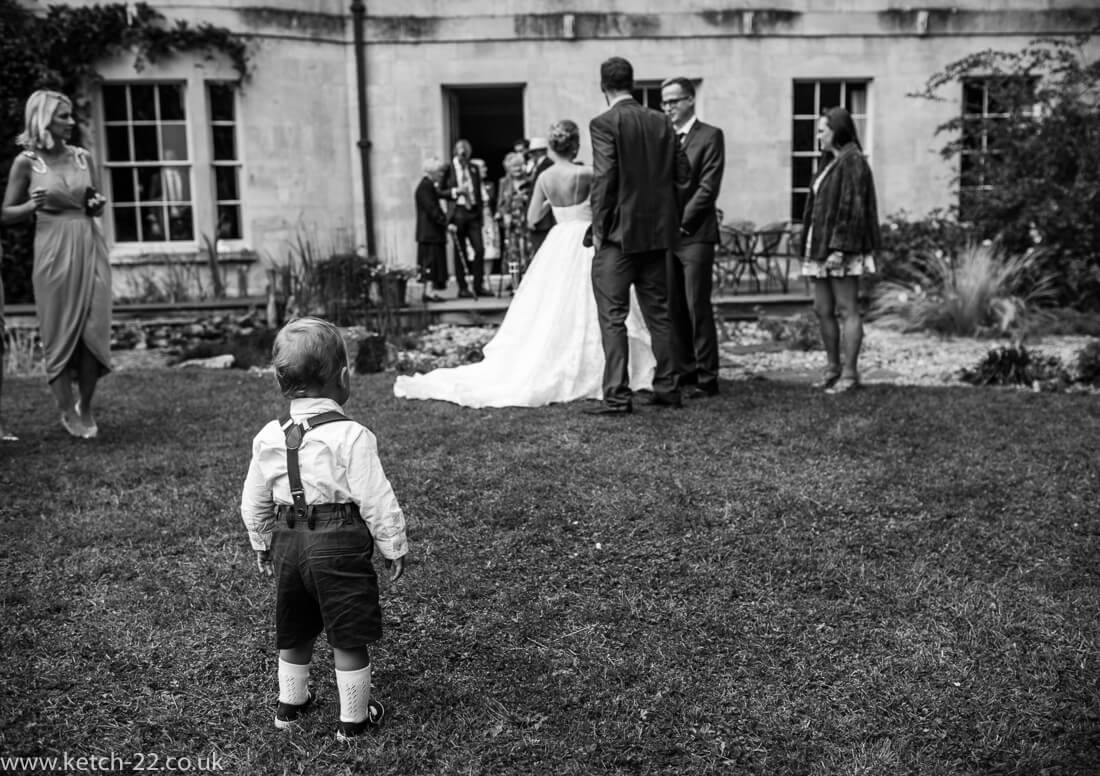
x,y
680,138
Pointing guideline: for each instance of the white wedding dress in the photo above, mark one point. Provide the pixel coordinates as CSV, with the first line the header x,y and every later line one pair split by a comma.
x,y
548,347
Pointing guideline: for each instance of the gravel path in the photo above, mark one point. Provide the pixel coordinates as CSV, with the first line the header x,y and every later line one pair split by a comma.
x,y
887,357
748,353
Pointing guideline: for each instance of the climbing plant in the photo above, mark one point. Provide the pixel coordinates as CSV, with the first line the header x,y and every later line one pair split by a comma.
x,y
61,50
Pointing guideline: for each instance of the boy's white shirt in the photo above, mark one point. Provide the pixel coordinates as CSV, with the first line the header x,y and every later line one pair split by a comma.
x,y
339,464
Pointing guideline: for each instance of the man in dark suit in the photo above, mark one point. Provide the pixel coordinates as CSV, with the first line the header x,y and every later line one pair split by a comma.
x,y
431,230
462,185
637,168
691,261
541,161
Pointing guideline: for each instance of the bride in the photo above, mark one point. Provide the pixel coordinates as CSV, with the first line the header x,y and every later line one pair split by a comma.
x,y
548,347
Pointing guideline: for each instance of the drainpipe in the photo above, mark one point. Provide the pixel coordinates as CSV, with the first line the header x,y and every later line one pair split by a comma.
x,y
358,11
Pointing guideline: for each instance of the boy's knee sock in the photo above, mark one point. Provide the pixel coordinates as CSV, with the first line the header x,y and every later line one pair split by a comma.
x,y
293,683
354,687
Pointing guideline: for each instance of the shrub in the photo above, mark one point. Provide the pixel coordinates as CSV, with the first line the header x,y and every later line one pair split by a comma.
x,y
797,332
249,348
1088,364
978,292
1040,180
1016,365
906,242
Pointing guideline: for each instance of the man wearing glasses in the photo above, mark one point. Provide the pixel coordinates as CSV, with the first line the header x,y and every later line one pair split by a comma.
x,y
691,260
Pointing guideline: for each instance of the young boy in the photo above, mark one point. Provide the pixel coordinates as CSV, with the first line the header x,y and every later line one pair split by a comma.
x,y
315,504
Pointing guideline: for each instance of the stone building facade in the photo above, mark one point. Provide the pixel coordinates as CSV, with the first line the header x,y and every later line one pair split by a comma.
x,y
495,70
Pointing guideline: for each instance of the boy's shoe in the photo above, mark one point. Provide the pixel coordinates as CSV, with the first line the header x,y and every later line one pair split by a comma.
x,y
286,716
376,712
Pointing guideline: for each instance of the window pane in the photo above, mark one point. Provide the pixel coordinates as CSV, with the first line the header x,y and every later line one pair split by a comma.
x,y
148,184
114,103
118,144
973,94
152,223
225,147
798,205
174,138
122,184
143,102
221,102
804,98
802,172
830,94
967,173
179,224
172,184
126,229
171,102
857,98
803,138
226,182
229,222
145,144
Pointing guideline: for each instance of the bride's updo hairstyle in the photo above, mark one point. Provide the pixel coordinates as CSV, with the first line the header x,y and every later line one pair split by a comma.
x,y
564,138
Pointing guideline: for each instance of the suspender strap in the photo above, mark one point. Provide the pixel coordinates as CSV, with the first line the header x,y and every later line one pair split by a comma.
x,y
294,433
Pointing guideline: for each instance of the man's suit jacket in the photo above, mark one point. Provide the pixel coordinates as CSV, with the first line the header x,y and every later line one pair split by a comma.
x,y
431,220
637,168
547,221
451,181
705,147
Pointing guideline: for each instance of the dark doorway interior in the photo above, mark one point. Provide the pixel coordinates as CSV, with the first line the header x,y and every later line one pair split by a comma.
x,y
490,117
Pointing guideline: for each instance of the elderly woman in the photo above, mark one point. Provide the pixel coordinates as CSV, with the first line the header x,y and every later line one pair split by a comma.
x,y
841,234
57,184
513,196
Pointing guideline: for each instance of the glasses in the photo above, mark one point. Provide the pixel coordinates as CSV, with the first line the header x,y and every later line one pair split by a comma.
x,y
674,101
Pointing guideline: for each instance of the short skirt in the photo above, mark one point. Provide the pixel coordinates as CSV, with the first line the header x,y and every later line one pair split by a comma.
x,y
854,264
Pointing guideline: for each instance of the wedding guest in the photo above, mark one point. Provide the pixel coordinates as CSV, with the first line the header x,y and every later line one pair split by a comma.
x,y
431,230
462,186
57,184
514,193
540,161
316,504
490,231
841,231
547,349
691,260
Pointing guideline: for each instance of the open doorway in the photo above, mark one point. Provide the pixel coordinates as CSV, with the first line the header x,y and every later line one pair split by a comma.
x,y
490,117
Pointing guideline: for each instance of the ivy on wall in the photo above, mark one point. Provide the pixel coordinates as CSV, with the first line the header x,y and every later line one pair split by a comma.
x,y
60,50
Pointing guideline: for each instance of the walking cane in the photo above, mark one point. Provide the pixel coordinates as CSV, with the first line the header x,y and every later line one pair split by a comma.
x,y
460,252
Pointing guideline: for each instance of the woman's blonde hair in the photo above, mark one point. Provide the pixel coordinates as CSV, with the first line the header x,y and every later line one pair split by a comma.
x,y
41,106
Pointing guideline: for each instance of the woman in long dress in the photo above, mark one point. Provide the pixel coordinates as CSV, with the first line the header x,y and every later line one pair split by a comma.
x,y
58,184
548,347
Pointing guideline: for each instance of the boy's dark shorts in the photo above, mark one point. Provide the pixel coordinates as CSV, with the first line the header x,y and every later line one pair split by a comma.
x,y
326,581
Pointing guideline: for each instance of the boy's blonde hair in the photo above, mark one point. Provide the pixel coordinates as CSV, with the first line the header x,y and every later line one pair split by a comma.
x,y
37,117
308,355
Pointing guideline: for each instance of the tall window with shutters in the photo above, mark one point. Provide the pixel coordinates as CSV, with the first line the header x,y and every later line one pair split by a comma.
x,y
811,99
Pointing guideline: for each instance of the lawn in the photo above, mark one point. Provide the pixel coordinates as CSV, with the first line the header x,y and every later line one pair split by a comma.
x,y
901,581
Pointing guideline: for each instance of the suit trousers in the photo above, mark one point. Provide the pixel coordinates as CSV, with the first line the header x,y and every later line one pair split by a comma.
x,y
694,332
431,258
469,228
613,273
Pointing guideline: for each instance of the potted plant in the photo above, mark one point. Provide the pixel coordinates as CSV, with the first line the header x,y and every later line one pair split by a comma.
x,y
384,290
